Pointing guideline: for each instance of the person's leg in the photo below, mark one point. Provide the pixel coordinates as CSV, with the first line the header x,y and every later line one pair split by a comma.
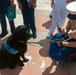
x,y
25,13
5,7
12,25
63,14
55,18
25,19
28,17
66,51
58,36
51,14
3,23
54,51
31,18
60,52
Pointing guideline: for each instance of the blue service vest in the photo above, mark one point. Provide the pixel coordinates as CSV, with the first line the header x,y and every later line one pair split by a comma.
x,y
9,49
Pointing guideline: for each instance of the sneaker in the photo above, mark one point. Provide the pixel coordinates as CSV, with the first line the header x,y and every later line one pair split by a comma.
x,y
49,35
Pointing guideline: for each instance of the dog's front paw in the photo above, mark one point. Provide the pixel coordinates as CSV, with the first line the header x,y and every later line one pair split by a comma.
x,y
21,63
25,60
2,67
12,67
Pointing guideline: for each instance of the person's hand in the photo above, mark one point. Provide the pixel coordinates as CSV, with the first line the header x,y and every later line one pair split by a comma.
x,y
61,30
52,4
72,34
34,5
12,5
58,43
20,6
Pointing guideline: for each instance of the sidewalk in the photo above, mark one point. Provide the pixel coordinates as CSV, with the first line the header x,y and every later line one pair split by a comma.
x,y
39,61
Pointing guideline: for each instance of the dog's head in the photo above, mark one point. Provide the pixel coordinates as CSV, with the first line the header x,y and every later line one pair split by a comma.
x,y
21,34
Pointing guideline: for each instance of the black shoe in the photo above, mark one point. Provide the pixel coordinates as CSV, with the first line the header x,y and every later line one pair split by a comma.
x,y
2,35
21,63
34,36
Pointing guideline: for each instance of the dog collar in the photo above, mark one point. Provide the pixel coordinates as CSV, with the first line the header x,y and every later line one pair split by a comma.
x,y
9,49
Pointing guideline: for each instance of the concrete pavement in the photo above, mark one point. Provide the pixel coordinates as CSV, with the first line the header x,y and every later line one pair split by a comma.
x,y
40,63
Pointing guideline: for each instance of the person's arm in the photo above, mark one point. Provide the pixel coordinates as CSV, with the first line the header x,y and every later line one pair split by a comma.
x,y
65,29
12,3
35,1
19,4
68,26
34,4
72,34
18,1
67,44
52,3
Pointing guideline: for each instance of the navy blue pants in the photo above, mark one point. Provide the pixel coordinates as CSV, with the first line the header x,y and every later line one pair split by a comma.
x,y
28,16
3,13
60,52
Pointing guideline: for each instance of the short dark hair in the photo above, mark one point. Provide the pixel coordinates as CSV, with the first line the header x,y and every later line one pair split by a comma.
x,y
72,16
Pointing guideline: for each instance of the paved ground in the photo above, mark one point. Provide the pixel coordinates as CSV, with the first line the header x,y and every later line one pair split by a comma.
x,y
40,63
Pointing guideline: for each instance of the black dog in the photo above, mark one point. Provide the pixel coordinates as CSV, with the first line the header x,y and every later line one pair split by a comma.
x,y
14,47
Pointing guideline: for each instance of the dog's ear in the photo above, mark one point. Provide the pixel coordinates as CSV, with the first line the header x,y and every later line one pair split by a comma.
x,y
19,28
16,32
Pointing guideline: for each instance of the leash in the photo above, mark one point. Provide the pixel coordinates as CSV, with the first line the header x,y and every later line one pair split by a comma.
x,y
43,42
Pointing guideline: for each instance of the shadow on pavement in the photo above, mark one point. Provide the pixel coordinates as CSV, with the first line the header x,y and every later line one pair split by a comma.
x,y
45,43
7,71
55,68
47,24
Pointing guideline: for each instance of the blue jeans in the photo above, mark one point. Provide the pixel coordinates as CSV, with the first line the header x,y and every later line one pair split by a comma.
x,y
28,16
60,52
3,13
